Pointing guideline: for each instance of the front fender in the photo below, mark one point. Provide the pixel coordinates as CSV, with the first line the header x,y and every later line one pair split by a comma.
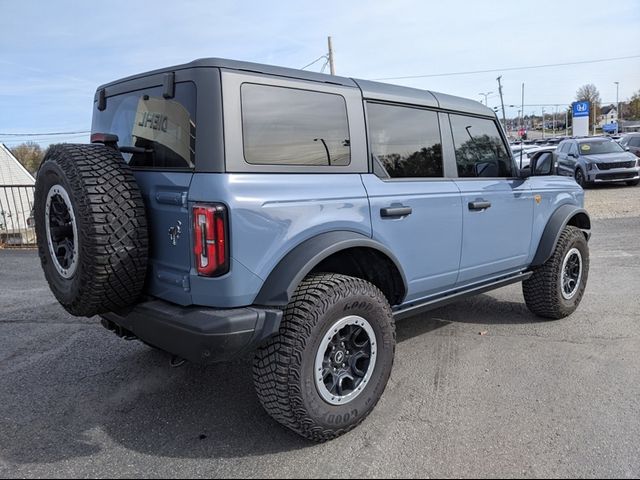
x,y
279,286
556,224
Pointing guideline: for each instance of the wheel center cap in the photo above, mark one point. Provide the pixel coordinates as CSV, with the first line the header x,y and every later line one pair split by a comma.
x,y
339,356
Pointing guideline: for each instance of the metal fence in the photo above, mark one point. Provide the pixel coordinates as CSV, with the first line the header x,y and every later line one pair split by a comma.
x,y
16,216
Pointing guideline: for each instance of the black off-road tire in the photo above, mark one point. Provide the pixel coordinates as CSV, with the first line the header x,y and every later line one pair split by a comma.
x,y
284,368
112,243
543,290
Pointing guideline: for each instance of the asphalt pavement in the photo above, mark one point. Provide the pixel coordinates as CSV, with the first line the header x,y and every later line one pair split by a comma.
x,y
481,388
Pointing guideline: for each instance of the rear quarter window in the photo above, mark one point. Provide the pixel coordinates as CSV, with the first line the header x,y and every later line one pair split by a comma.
x,y
162,130
290,126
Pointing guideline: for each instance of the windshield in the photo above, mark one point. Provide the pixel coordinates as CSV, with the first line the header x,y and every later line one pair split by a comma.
x,y
597,148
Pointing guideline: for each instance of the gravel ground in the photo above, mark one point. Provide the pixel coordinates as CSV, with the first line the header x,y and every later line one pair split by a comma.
x,y
612,201
527,399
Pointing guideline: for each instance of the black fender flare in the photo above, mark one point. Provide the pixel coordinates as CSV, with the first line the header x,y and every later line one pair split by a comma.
x,y
279,286
558,220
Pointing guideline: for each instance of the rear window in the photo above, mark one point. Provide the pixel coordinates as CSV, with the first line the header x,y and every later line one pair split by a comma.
x,y
163,130
405,142
288,126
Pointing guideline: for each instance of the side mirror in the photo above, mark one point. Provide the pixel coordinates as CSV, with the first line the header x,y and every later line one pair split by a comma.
x,y
524,172
542,165
627,149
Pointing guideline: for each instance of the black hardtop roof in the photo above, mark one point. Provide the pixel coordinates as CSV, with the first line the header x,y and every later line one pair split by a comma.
x,y
370,89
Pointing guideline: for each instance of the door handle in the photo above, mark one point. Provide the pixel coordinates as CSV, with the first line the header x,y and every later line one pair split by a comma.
x,y
479,205
400,211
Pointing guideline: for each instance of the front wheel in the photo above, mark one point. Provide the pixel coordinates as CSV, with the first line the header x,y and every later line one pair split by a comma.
x,y
633,183
327,368
579,177
555,289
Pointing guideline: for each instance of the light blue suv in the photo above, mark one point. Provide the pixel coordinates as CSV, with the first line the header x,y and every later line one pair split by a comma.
x,y
226,207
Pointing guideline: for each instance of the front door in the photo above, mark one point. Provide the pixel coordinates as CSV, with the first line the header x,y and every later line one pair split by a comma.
x,y
497,207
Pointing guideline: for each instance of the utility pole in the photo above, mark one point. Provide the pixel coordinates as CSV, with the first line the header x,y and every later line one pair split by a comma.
x,y
522,124
332,67
617,109
542,122
504,118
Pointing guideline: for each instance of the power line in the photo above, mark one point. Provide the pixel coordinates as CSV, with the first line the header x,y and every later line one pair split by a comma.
x,y
315,61
493,70
49,134
42,139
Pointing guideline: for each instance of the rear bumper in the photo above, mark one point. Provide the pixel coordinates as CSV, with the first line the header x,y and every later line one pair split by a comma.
x,y
198,334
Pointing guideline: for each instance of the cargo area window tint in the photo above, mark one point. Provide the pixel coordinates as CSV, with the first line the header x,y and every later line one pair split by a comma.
x,y
162,130
405,142
287,126
480,150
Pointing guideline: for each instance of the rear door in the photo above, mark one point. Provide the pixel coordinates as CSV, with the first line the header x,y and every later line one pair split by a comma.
x,y
415,210
156,134
497,207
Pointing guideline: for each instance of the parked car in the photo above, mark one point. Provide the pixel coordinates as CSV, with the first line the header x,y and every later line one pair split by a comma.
x,y
597,160
530,153
631,141
555,140
227,207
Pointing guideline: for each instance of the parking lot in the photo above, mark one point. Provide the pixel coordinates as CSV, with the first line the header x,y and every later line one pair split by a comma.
x,y
479,388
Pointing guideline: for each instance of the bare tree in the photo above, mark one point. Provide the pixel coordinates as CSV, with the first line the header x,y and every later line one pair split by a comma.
x,y
589,93
633,110
30,155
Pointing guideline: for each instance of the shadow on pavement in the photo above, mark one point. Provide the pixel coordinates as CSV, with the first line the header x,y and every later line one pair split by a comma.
x,y
84,392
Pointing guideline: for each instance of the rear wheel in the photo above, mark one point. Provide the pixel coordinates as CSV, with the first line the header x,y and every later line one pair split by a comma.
x,y
326,369
91,229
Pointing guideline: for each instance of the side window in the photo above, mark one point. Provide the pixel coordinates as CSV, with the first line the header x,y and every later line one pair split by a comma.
x,y
634,142
574,149
480,149
288,126
405,141
563,148
162,130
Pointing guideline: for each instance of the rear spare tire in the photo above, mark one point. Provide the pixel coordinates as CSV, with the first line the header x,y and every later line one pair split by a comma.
x,y
91,228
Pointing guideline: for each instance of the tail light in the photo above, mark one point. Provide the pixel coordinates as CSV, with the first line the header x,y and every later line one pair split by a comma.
x,y
211,240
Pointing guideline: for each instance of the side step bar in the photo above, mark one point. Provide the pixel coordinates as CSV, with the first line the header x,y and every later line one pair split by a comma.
x,y
415,309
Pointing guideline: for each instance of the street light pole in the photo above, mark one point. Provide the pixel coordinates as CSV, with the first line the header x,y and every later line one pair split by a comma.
x,y
485,95
617,109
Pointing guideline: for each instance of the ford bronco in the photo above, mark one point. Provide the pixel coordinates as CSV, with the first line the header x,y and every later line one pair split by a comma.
x,y
226,208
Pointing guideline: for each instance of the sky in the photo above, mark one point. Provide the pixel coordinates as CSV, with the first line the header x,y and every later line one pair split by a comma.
x,y
53,54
